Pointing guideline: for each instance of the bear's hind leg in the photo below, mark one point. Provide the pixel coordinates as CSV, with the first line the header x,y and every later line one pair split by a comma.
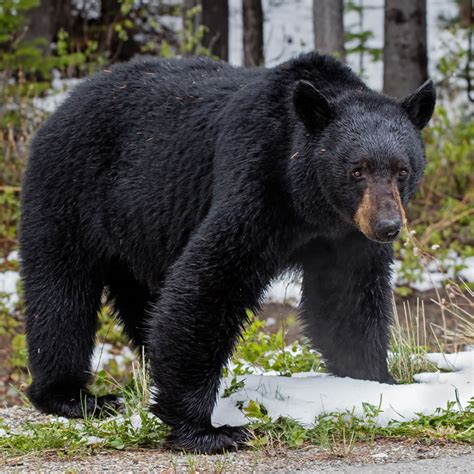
x,y
62,301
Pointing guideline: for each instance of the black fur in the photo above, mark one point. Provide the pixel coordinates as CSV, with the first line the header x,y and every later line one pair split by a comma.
x,y
184,187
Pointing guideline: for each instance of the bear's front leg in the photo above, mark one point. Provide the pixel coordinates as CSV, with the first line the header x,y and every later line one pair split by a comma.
x,y
195,324
346,305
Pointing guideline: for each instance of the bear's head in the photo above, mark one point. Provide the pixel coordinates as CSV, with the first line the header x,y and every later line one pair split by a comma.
x,y
362,152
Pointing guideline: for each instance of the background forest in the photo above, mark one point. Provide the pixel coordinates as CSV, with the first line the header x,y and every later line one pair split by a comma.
x,y
47,46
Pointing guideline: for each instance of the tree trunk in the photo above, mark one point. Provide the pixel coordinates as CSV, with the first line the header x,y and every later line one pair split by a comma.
x,y
329,27
47,19
41,23
109,12
64,18
215,17
405,55
465,12
252,13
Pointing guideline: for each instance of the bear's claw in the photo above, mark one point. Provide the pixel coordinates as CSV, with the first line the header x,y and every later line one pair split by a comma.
x,y
80,406
209,440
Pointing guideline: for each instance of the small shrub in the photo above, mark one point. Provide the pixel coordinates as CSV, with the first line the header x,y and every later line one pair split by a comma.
x,y
260,351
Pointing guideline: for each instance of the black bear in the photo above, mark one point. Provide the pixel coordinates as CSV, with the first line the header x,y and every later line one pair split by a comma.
x,y
182,187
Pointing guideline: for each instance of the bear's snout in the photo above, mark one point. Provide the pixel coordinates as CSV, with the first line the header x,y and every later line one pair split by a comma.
x,y
379,215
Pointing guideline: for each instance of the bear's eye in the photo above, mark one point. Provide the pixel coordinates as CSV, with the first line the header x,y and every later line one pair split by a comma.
x,y
403,173
357,173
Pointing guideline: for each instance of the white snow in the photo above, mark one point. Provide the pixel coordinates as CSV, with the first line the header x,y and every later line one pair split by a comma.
x,y
434,273
60,91
105,353
8,283
456,361
286,289
93,440
270,322
467,273
305,397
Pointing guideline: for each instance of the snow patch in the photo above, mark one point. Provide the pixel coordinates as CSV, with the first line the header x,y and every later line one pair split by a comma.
x,y
60,91
93,440
305,397
286,289
105,353
8,285
467,273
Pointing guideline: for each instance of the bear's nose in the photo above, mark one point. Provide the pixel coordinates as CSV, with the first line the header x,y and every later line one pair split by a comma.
x,y
388,229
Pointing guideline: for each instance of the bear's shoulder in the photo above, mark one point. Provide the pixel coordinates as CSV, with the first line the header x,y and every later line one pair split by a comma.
x,y
324,71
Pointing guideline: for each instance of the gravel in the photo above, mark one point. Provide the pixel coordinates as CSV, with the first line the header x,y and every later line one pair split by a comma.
x,y
380,456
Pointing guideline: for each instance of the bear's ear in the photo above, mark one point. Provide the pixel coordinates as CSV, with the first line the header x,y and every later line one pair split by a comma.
x,y
420,104
311,106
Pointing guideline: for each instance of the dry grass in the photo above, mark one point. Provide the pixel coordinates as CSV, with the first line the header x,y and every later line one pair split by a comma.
x,y
409,344
459,305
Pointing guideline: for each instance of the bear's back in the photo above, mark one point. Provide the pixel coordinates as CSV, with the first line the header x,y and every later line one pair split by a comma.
x,y
158,80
